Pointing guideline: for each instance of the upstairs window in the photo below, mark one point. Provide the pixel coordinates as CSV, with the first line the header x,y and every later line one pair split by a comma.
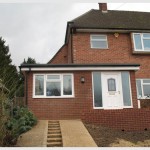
x,y
99,41
141,41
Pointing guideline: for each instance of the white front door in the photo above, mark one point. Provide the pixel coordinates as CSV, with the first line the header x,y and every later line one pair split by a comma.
x,y
112,90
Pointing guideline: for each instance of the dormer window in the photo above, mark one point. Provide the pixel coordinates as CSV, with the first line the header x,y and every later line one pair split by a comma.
x,y
141,41
99,41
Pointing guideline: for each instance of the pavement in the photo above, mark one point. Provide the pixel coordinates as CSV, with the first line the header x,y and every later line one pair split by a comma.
x,y
74,134
36,137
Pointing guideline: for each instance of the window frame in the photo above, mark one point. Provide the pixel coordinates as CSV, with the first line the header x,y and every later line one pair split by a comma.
x,y
142,83
53,80
98,40
142,43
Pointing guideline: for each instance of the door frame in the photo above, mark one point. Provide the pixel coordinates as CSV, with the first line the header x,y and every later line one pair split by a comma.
x,y
122,94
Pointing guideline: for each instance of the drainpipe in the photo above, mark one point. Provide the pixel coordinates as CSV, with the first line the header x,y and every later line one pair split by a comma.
x,y
26,78
71,46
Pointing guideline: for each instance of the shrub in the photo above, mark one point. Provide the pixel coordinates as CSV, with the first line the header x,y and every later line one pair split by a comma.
x,y
21,121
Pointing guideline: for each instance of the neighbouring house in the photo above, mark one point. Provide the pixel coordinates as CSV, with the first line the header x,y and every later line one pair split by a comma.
x,y
99,74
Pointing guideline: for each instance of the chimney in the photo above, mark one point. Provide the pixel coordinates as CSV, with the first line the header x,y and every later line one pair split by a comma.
x,y
103,7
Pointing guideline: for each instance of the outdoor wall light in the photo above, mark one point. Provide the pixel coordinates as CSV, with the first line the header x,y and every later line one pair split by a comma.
x,y
116,35
82,79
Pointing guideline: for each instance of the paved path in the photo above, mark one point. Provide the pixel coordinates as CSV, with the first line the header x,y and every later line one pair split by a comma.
x,y
74,134
36,137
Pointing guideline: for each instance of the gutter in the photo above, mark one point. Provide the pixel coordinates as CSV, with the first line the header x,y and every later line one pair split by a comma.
x,y
110,30
80,67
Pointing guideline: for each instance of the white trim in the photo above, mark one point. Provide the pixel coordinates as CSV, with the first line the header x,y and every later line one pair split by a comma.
x,y
130,92
78,68
139,104
92,88
142,38
93,93
51,80
102,40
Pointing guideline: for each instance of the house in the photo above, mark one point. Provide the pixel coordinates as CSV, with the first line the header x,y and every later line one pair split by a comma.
x,y
99,74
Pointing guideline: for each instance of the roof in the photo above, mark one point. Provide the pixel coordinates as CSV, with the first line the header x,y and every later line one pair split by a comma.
x,y
77,67
113,20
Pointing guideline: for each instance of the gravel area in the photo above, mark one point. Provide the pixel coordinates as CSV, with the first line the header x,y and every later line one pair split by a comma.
x,y
106,137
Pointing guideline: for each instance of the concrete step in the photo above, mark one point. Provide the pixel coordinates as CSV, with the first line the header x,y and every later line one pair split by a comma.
x,y
51,125
53,122
54,140
54,128
51,129
54,137
51,132
54,144
58,135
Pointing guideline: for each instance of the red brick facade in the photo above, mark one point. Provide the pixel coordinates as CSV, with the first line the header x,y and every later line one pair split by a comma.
x,y
61,57
125,119
119,51
78,51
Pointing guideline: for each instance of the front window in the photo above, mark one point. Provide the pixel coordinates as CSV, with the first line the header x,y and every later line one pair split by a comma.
x,y
99,41
141,41
143,88
53,85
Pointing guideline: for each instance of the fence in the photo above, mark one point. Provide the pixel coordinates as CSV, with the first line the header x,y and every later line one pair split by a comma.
x,y
19,101
6,111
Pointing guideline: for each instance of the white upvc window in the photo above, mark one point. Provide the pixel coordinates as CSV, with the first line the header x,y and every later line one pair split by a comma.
x,y
143,88
53,85
141,41
99,41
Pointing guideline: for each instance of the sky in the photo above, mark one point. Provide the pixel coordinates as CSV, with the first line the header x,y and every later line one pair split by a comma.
x,y
38,29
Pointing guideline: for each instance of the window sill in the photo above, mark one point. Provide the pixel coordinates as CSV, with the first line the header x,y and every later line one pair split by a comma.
x,y
99,48
142,52
113,108
53,97
144,98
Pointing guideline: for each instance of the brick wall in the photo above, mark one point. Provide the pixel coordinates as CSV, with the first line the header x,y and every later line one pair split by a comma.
x,y
81,107
145,103
119,51
63,108
123,119
61,57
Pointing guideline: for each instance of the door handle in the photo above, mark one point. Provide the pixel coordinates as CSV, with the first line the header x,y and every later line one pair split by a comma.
x,y
119,92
